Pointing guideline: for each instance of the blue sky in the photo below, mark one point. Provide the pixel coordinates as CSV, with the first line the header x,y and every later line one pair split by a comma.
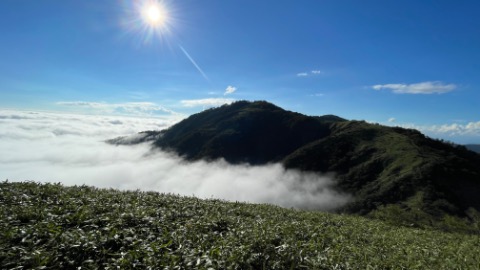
x,y
408,63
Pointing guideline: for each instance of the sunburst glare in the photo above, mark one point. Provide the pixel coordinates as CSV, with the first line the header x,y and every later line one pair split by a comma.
x,y
148,19
154,14
152,20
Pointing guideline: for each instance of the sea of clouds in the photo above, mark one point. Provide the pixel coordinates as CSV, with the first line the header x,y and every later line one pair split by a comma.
x,y
71,149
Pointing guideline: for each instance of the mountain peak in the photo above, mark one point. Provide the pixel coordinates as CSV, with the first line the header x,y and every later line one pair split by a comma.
x,y
254,132
379,165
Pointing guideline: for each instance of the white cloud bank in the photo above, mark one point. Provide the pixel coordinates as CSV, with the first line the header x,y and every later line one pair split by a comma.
x,y
206,102
129,108
417,88
455,129
459,133
65,148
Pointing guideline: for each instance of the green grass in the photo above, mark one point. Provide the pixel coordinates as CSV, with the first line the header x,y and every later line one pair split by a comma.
x,y
48,226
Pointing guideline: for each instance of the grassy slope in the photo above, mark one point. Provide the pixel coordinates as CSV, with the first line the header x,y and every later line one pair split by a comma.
x,y
67,227
383,165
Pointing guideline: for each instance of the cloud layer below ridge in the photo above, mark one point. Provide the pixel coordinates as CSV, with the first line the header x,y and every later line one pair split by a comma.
x,y
70,149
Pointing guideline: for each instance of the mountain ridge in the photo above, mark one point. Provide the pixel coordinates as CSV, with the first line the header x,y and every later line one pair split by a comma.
x,y
473,147
242,133
382,166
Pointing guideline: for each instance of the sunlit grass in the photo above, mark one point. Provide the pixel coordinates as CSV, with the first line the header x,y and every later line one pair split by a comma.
x,y
48,226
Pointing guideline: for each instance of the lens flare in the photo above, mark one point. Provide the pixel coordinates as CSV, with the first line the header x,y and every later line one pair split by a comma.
x,y
154,14
152,21
148,20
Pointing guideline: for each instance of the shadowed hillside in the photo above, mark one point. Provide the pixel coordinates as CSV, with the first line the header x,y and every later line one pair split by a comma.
x,y
383,167
255,133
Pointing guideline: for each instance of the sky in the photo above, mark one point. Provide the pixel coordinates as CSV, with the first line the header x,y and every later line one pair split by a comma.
x,y
407,63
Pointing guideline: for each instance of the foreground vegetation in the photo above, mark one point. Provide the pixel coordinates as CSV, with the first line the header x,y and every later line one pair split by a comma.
x,y
48,226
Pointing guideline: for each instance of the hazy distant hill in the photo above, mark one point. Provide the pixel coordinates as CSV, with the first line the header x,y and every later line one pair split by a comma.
x,y
473,147
383,167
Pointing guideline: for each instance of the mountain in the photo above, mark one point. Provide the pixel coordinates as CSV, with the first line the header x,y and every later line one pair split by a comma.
x,y
473,147
387,169
244,132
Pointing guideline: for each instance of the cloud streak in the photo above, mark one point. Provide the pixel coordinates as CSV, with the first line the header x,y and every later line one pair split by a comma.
x,y
435,87
206,102
312,73
70,149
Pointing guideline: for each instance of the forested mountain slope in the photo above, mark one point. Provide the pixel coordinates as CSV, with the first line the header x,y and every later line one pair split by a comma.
x,y
381,166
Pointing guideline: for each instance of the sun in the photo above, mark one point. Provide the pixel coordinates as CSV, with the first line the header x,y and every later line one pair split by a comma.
x,y
154,14
149,20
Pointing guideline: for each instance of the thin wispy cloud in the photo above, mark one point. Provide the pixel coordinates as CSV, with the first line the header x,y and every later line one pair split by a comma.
x,y
315,72
230,90
391,120
138,95
129,108
70,149
434,87
206,102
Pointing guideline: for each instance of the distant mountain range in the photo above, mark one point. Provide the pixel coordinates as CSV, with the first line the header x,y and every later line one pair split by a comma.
x,y
473,147
381,166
